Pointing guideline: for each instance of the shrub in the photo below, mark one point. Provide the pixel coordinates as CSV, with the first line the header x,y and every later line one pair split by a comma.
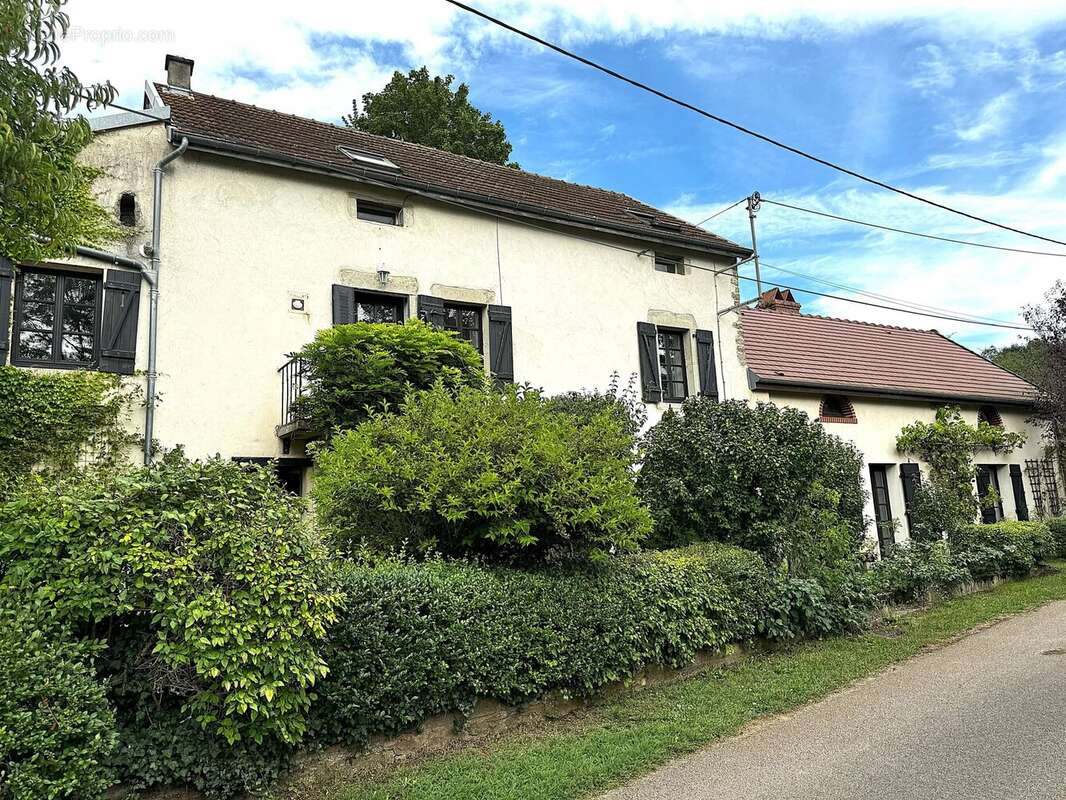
x,y
761,477
493,473
625,404
417,639
351,369
1004,549
209,567
53,420
1057,528
810,608
916,570
56,728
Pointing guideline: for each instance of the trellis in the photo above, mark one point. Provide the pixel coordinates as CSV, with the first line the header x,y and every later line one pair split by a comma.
x,y
1045,486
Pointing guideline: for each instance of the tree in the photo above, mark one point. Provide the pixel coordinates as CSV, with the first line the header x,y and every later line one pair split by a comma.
x,y
424,110
46,200
1027,359
1049,322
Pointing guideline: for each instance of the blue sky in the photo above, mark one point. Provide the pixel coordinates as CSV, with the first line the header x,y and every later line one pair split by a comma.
x,y
963,103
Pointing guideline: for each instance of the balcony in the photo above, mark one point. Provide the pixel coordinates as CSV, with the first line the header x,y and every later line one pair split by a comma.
x,y
294,427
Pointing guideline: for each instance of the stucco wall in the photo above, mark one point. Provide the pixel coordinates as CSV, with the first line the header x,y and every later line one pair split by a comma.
x,y
239,241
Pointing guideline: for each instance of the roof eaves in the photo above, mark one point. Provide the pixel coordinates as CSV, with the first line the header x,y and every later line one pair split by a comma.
x,y
757,381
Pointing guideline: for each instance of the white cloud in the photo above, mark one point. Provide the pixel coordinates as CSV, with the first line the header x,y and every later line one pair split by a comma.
x,y
989,121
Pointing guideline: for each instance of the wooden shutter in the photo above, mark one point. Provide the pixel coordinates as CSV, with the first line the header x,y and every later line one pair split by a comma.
x,y
910,476
118,328
343,305
431,310
7,275
1021,505
705,362
501,355
648,348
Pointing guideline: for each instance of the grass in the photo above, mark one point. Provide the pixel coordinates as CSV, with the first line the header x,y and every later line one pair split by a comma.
x,y
640,731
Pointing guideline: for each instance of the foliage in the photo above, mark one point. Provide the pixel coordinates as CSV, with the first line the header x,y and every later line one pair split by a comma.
x,y
56,729
424,110
1049,323
1004,549
44,190
761,477
211,563
948,445
809,608
421,638
916,570
54,420
1057,528
351,369
935,508
625,404
498,474
1028,359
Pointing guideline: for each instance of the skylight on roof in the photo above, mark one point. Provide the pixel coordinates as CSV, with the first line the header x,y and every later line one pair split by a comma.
x,y
644,215
369,159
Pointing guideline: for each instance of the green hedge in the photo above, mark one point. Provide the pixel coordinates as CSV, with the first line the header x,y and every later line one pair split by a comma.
x,y
915,570
1004,549
417,639
1057,527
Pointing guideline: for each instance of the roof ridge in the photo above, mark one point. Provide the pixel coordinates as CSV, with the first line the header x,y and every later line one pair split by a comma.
x,y
163,87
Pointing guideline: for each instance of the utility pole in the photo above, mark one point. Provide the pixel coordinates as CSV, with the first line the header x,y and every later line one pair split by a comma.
x,y
753,206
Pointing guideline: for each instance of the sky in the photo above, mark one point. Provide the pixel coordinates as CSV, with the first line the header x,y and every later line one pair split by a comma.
x,y
962,102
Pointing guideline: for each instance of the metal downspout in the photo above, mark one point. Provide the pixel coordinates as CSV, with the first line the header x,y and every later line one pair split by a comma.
x,y
153,296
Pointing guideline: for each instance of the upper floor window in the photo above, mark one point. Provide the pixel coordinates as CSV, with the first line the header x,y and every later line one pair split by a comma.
x,y
57,318
673,374
465,320
836,408
674,266
990,415
381,213
371,307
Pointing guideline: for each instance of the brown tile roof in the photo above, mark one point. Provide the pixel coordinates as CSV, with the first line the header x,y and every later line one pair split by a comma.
x,y
283,137
800,350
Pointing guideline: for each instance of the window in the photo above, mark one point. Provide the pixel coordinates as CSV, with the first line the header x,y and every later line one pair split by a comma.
x,y
990,415
377,212
886,525
988,491
369,159
674,266
836,408
465,321
371,307
673,377
56,319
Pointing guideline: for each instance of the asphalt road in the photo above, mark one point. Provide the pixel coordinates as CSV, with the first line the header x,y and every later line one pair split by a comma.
x,y
981,719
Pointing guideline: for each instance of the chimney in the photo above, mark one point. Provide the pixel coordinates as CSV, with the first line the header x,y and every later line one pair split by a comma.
x,y
179,71
780,301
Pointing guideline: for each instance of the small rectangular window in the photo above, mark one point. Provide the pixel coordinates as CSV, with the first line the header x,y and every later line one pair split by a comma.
x,y
673,375
674,266
378,212
57,317
370,307
466,321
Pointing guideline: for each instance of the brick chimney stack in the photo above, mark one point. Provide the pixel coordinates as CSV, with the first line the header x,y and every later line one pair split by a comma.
x,y
780,301
179,71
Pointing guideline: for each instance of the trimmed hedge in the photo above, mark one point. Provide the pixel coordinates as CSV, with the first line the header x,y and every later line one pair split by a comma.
x,y
1004,549
417,639
1057,528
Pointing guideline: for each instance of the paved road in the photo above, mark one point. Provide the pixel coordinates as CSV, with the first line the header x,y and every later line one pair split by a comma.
x,y
981,719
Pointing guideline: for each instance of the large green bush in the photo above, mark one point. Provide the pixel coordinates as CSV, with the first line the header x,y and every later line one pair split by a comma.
x,y
57,731
421,638
351,369
1057,528
500,474
761,477
914,571
624,403
204,576
1004,549
51,421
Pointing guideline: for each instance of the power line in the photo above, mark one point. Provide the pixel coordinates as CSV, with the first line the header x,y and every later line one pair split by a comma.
x,y
736,126
912,233
719,213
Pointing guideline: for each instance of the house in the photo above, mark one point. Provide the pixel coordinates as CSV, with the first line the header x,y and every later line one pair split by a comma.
x,y
864,382
271,227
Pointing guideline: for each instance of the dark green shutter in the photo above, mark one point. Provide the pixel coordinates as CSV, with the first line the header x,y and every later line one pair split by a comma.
x,y
7,274
431,311
1021,505
343,305
911,477
705,361
501,355
118,328
648,348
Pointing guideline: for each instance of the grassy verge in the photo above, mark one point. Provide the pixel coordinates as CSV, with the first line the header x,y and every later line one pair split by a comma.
x,y
640,731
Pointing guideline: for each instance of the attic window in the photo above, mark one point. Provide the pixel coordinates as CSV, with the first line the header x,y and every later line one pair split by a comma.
x,y
369,159
836,408
990,415
369,211
674,266
643,216
127,209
